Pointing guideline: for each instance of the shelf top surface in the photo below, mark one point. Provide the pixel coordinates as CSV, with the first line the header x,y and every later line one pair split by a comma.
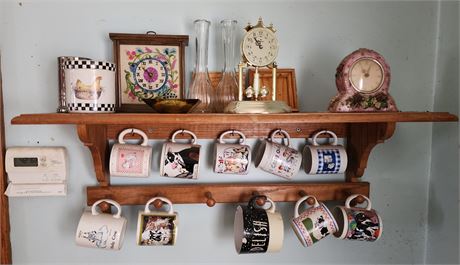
x,y
216,118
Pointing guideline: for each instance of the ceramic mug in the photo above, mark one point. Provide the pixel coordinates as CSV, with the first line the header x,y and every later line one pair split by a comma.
x,y
130,160
157,228
325,159
232,158
278,159
258,230
101,230
313,224
180,160
356,223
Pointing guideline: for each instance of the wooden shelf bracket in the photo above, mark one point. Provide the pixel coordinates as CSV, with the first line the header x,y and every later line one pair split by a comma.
x,y
95,138
361,139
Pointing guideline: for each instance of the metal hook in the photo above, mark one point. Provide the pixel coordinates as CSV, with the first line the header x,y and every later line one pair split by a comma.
x,y
233,133
182,132
151,32
132,131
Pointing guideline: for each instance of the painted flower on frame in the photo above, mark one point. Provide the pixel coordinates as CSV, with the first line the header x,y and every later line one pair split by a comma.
x,y
168,57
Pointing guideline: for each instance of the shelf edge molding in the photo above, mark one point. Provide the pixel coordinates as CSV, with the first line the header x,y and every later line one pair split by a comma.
x,y
236,119
226,192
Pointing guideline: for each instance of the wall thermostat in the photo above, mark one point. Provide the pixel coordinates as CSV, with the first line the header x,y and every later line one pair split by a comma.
x,y
36,171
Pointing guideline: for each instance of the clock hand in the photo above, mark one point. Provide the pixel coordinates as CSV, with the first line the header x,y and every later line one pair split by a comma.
x,y
258,43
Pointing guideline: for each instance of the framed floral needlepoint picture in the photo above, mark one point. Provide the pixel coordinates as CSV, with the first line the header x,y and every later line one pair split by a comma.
x,y
148,66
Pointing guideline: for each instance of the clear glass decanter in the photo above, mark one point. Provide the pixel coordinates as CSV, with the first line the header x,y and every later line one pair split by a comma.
x,y
201,87
227,89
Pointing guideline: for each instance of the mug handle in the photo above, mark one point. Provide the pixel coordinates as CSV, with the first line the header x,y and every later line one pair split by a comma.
x,y
282,132
133,130
272,206
350,198
326,132
252,203
242,136
300,201
114,203
167,201
173,139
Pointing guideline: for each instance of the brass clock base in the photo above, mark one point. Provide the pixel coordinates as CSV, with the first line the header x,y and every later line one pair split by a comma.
x,y
257,107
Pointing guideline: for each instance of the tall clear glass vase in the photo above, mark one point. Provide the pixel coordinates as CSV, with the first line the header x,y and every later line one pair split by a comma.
x,y
201,88
227,89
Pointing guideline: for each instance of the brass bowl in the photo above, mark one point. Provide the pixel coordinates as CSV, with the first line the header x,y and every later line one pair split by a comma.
x,y
173,105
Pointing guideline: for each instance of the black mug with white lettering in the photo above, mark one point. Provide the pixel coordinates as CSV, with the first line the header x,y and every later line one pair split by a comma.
x,y
256,229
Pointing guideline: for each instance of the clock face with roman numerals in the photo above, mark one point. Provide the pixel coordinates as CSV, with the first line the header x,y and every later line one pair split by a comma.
x,y
260,46
150,74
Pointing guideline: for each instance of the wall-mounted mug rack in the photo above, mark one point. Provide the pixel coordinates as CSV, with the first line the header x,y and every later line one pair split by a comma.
x,y
362,131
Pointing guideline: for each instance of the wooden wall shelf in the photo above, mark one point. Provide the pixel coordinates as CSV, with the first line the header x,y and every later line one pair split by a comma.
x,y
362,132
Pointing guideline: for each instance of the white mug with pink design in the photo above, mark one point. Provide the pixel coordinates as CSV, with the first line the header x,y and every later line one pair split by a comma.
x,y
130,160
232,158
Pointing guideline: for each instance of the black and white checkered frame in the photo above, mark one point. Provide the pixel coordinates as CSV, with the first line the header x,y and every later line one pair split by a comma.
x,y
91,107
89,64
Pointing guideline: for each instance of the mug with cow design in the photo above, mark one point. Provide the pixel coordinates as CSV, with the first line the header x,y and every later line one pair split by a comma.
x,y
157,228
130,160
356,223
180,160
313,224
101,230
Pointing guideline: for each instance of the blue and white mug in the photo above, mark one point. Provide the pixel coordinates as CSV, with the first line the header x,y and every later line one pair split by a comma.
x,y
325,159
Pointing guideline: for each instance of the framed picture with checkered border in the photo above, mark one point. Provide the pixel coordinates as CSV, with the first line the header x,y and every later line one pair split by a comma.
x,y
149,66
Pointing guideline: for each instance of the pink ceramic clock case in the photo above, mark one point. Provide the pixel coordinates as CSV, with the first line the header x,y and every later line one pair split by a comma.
x,y
349,99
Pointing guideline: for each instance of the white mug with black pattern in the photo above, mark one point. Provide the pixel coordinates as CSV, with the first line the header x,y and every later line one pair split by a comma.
x,y
180,160
101,230
325,159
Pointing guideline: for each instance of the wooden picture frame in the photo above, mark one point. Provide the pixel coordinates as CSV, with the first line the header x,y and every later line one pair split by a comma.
x,y
148,66
286,88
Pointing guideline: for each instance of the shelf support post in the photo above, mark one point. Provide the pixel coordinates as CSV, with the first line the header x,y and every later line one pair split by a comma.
x,y
95,138
361,139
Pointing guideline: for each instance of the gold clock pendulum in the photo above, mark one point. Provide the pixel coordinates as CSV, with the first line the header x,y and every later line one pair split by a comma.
x,y
259,49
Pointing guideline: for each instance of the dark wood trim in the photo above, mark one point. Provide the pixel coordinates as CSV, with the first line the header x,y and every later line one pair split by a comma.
x,y
5,244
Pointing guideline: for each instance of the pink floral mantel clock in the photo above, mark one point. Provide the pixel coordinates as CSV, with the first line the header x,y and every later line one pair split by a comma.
x,y
363,80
